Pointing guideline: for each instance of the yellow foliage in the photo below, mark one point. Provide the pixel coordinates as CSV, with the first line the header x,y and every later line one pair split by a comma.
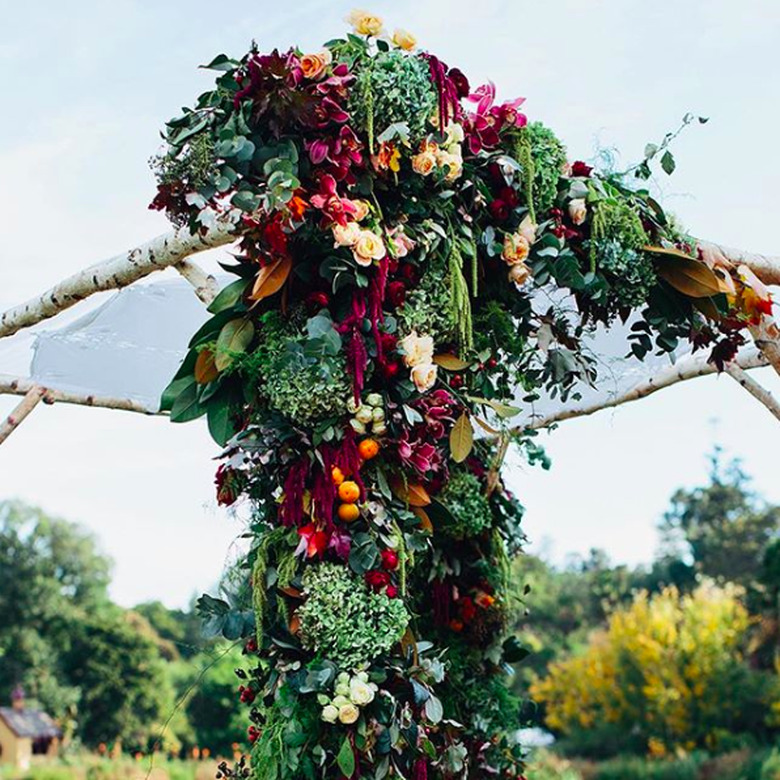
x,y
660,666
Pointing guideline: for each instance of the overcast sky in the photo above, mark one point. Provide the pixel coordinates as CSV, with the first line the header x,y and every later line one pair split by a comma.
x,y
86,87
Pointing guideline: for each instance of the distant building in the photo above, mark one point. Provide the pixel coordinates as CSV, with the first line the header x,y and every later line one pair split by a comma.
x,y
25,733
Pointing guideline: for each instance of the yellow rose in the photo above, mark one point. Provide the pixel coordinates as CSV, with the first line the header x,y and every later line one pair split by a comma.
x,y
417,349
365,23
578,211
519,273
346,235
424,376
516,248
348,713
404,40
368,247
313,65
423,163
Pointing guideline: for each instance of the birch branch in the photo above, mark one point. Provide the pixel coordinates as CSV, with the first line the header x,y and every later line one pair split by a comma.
x,y
206,286
12,385
688,368
31,399
766,268
758,391
766,335
120,271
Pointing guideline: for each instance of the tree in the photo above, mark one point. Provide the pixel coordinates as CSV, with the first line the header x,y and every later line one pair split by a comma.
x,y
723,528
180,629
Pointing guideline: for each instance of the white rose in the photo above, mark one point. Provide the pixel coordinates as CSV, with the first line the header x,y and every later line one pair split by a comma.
x,y
360,692
416,349
330,714
578,211
349,713
454,134
368,247
424,376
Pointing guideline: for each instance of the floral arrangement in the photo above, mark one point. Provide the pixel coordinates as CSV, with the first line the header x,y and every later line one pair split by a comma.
x,y
396,226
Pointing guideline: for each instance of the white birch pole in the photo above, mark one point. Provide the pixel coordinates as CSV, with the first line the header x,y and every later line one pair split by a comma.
x,y
31,399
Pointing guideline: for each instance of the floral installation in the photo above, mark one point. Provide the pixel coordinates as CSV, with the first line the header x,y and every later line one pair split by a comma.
x,y
394,226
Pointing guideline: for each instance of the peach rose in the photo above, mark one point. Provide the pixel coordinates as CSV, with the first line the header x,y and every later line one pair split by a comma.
x,y
516,248
365,23
313,65
417,349
368,247
424,376
404,40
402,244
578,211
519,273
423,163
346,235
362,209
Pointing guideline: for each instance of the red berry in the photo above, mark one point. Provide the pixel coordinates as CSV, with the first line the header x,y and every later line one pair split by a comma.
x,y
456,381
390,370
392,592
492,363
389,560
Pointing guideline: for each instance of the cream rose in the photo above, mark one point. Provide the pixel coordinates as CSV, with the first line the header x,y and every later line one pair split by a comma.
x,y
348,713
330,714
528,229
416,349
423,163
313,65
453,162
578,211
519,273
424,376
454,134
404,40
360,692
516,248
365,23
368,247
346,235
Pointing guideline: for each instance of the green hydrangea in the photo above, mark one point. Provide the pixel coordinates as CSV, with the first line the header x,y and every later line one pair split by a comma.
x,y
393,87
346,622
548,155
428,307
630,273
464,497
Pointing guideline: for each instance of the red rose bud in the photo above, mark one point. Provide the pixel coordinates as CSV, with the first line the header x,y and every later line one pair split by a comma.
x,y
377,579
580,169
396,293
389,560
317,300
390,370
499,209
391,592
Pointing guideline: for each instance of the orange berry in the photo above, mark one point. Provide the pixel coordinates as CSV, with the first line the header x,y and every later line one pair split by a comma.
x,y
337,475
368,448
348,512
349,492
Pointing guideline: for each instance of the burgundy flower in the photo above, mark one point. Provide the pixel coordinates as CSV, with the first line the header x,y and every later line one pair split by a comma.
x,y
390,370
418,454
396,293
389,560
377,579
482,127
228,482
389,342
341,543
580,169
499,210
460,81
438,410
342,152
317,300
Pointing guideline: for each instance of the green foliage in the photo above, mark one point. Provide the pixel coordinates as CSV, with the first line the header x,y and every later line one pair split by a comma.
x,y
631,768
549,160
196,163
346,622
394,87
464,497
428,307
630,273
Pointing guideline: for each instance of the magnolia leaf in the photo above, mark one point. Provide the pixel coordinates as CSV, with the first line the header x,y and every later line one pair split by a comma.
x,y
234,338
228,296
425,520
461,439
412,493
485,427
504,411
688,276
271,278
205,367
450,362
346,758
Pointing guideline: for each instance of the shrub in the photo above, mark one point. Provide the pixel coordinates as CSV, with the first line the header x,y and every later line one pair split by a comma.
x,y
665,675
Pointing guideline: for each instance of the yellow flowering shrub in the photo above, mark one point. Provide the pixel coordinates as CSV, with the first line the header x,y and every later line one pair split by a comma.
x,y
667,671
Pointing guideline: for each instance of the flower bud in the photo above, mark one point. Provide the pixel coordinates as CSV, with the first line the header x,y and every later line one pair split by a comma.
x,y
352,405
364,414
378,414
357,426
374,399
379,428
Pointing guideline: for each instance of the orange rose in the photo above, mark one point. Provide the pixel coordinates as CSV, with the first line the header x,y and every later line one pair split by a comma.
x,y
313,65
516,248
424,163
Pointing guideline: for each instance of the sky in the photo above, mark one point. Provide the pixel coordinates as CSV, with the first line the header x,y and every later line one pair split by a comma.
x,y
86,87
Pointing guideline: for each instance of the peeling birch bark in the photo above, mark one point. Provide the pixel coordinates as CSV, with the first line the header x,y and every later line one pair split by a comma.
x,y
120,271
206,286
757,390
